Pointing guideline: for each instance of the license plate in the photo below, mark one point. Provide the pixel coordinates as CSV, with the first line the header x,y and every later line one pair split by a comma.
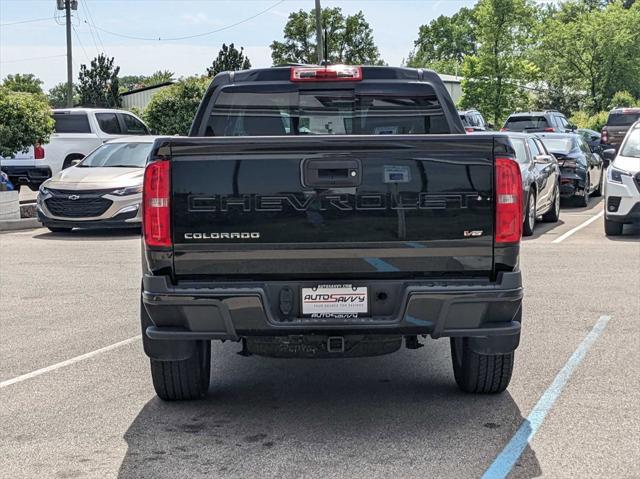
x,y
338,301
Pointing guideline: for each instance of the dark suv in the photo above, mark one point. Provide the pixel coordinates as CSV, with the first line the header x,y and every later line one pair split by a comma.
x,y
551,121
618,123
474,121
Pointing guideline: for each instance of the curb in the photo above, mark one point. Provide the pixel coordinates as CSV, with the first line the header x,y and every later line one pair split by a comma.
x,y
22,224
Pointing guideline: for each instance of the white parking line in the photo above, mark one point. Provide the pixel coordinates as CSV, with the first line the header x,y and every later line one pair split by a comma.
x,y
68,362
560,239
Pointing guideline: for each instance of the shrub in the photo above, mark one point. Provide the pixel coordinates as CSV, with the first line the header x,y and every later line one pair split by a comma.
x,y
171,110
623,98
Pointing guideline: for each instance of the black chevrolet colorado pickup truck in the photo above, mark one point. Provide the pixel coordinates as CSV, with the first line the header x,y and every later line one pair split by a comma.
x,y
325,212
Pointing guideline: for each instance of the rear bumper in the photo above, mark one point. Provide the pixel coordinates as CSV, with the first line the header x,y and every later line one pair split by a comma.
x,y
572,184
27,175
488,311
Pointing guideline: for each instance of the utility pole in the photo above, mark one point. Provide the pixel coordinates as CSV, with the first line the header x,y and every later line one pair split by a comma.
x,y
319,48
67,11
67,6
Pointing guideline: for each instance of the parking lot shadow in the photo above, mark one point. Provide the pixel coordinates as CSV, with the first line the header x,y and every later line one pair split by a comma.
x,y
91,235
373,417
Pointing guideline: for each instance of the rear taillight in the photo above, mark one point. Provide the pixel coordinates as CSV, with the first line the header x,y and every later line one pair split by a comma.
x,y
508,201
604,137
504,129
469,130
549,129
326,73
38,152
156,217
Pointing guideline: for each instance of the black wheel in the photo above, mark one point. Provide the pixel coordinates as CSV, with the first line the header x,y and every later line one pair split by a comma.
x,y
59,230
612,228
530,216
584,199
553,215
480,373
186,379
598,192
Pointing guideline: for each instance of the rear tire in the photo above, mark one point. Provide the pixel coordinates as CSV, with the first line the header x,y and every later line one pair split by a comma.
x,y
480,373
553,215
612,228
59,230
185,379
530,216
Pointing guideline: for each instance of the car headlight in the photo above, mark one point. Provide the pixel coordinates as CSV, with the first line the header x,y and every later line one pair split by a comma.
x,y
616,174
129,190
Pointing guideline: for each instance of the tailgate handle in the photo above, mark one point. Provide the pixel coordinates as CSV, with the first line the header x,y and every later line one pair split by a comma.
x,y
330,173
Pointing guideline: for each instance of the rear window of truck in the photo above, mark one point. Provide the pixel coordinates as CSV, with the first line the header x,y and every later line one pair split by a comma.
x,y
623,119
523,123
71,123
259,110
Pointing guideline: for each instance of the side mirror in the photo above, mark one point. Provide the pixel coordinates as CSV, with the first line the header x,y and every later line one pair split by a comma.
x,y
76,161
609,154
572,127
542,159
491,126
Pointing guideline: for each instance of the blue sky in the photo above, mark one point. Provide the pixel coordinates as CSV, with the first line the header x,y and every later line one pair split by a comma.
x,y
38,47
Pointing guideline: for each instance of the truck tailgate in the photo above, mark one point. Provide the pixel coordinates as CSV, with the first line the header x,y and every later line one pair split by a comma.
x,y
332,206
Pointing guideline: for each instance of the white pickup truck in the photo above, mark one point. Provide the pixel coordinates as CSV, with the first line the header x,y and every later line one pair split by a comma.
x,y
78,131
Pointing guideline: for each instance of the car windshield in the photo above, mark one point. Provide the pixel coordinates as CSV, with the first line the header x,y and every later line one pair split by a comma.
x,y
260,110
623,119
523,123
631,145
114,155
558,145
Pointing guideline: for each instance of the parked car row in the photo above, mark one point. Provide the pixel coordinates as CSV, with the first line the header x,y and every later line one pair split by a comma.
x,y
78,131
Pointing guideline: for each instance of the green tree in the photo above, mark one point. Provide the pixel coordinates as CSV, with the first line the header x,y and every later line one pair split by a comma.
x,y
349,39
57,95
593,50
131,82
157,77
229,59
171,110
494,76
443,44
98,84
25,119
24,82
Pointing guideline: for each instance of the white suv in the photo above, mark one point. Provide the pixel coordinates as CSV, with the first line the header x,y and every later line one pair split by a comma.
x,y
78,131
622,187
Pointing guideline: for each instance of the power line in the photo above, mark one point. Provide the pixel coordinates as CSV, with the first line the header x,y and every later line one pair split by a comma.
x,y
91,30
25,21
80,43
132,37
33,58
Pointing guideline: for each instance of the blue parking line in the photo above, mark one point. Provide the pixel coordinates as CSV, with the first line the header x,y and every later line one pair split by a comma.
x,y
381,266
504,462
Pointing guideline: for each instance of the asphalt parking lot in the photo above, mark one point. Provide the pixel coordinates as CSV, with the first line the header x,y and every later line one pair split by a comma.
x,y
77,401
